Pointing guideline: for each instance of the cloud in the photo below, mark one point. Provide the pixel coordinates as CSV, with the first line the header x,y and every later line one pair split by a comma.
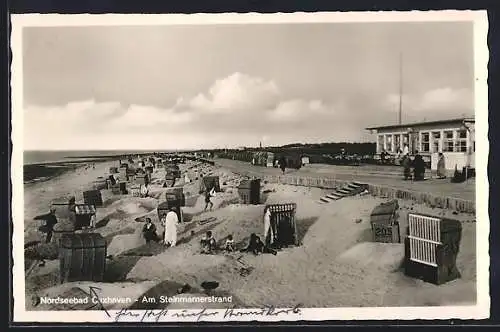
x,y
147,116
235,93
298,110
236,110
437,103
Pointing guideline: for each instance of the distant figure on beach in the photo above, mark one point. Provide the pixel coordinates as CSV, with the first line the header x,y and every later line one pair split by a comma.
x,y
144,191
186,178
171,223
50,220
208,197
149,231
441,166
208,243
112,179
229,246
406,163
72,209
268,230
282,164
418,167
383,154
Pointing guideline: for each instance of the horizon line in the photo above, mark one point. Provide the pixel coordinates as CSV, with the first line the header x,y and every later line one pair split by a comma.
x,y
187,149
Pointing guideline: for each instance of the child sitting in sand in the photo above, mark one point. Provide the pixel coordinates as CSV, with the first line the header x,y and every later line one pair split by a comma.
x,y
229,247
256,246
208,243
149,231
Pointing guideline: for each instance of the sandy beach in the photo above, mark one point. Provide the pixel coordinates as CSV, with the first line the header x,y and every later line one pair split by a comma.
x,y
337,264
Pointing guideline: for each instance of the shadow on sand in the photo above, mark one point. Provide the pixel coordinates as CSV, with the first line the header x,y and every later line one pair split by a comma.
x,y
303,226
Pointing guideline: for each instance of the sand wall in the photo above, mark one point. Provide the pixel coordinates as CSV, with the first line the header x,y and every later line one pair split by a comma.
x,y
426,198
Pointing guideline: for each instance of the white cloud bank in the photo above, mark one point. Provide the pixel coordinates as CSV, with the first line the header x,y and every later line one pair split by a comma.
x,y
236,110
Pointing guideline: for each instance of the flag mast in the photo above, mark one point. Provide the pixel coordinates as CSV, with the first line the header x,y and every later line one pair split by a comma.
x,y
400,87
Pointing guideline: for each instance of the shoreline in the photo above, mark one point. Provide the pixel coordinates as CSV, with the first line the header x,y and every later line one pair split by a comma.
x,y
70,182
45,171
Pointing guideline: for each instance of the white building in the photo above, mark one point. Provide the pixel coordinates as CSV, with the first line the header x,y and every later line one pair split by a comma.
x,y
455,138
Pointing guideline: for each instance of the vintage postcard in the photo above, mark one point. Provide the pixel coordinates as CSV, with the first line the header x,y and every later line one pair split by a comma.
x,y
240,167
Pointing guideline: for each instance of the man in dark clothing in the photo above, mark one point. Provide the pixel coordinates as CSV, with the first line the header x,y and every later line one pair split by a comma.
x,y
418,167
50,220
406,163
149,231
283,164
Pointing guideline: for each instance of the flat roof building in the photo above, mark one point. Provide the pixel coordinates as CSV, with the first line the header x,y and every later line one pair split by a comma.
x,y
455,138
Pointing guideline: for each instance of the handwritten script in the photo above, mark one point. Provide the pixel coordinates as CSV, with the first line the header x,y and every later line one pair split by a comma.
x,y
157,315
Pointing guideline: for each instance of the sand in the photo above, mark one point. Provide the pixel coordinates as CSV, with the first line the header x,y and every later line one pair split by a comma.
x,y
336,265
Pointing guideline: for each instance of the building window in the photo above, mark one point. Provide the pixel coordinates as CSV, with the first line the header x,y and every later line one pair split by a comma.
x,y
389,143
424,144
448,141
405,139
380,143
436,137
461,144
397,143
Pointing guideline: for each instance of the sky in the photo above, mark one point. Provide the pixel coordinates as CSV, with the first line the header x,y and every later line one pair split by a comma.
x,y
217,86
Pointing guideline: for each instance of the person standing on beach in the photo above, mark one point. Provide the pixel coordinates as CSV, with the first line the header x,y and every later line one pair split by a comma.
x,y
406,163
418,167
441,168
268,230
171,223
50,220
283,164
72,210
208,196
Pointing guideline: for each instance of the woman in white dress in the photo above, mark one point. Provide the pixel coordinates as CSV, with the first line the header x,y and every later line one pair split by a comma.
x,y
268,230
171,223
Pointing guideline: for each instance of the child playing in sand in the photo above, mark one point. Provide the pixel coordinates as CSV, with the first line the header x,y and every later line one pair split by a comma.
x,y
229,247
208,243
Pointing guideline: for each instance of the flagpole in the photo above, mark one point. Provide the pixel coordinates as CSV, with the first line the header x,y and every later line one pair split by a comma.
x,y
400,87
